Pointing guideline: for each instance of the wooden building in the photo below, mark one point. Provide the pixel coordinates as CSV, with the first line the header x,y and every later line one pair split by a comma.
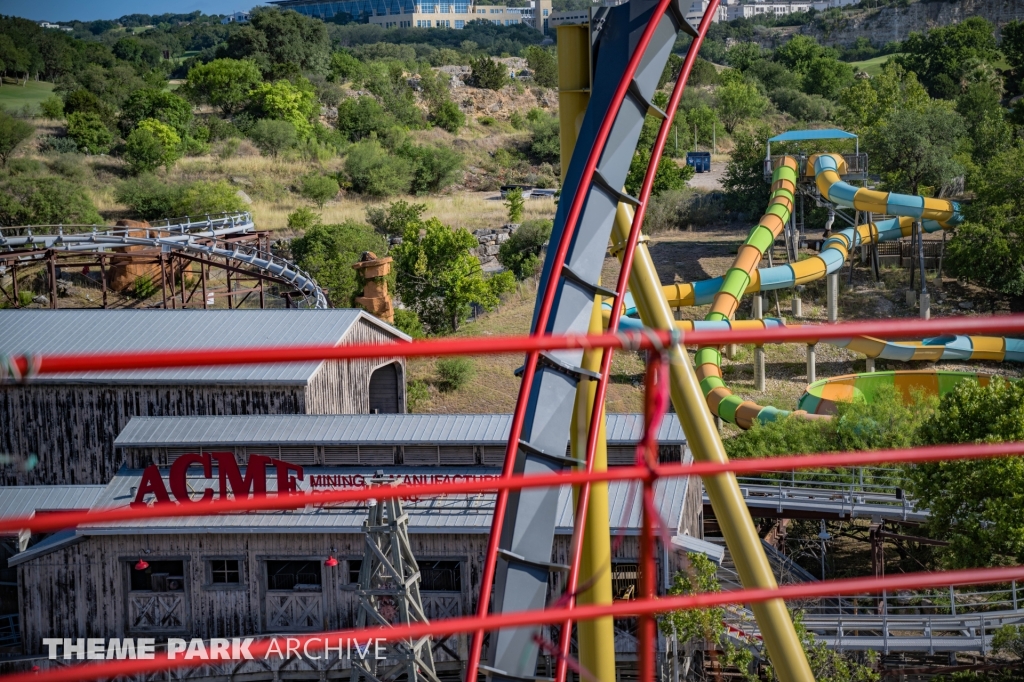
x,y
60,429
260,573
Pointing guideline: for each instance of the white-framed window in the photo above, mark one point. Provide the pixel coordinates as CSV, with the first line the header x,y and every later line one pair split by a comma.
x,y
459,23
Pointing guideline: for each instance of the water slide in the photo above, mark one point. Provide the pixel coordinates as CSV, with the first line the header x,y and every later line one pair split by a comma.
x,y
723,293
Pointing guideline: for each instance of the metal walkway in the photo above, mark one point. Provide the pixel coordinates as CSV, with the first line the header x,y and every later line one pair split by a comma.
x,y
204,238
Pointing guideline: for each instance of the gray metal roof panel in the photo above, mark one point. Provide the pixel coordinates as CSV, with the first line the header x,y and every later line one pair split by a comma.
x,y
369,429
26,500
61,332
453,513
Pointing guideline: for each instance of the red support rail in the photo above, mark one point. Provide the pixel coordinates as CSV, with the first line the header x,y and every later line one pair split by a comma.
x,y
621,609
56,521
28,365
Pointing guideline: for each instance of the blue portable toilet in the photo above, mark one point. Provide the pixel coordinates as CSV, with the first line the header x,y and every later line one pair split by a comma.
x,y
701,161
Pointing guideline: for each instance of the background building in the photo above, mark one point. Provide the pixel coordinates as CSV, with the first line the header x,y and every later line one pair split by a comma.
x,y
60,429
423,13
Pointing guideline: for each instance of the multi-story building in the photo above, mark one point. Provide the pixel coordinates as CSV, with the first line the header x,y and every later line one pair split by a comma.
x,y
778,9
424,13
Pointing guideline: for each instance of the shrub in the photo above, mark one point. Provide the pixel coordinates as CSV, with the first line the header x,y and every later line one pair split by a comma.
x,y
89,133
143,287
273,137
45,201
360,117
543,64
223,83
148,197
544,144
152,144
161,105
284,101
739,101
521,253
81,101
416,393
327,252
409,322
59,145
302,218
434,168
12,133
801,106
52,107
515,203
455,373
448,116
396,218
202,197
374,172
486,120
69,166
319,189
669,176
489,74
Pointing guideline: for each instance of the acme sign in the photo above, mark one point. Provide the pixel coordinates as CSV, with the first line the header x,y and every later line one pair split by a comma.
x,y
229,476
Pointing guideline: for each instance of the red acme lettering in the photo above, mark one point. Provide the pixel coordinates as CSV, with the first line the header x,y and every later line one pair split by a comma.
x,y
231,480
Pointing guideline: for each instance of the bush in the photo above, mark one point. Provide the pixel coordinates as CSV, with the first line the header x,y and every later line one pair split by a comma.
x,y
89,133
455,373
409,322
396,218
58,145
800,106
362,117
417,394
669,176
319,189
374,172
12,133
489,74
45,201
543,64
150,145
273,137
148,197
327,252
521,253
202,197
434,168
143,287
153,199
302,219
52,107
515,203
448,116
544,143
739,101
223,83
284,101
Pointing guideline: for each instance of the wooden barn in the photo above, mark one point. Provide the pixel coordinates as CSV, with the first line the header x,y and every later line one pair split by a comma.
x,y
60,429
260,573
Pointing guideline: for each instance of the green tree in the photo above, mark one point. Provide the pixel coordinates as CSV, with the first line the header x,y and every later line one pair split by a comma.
x,y
202,198
223,83
744,182
161,105
388,82
827,76
318,188
81,101
89,133
521,253
489,74
327,252
671,71
434,168
976,505
543,64
344,67
858,105
285,101
1012,47
984,118
799,53
361,117
941,56
48,200
52,107
439,279
282,42
916,148
515,204
743,56
774,75
545,145
448,116
375,172
669,176
272,136
150,145
398,217
13,132
737,102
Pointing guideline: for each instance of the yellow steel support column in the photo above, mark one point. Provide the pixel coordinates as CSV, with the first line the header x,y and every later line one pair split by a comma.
x,y
704,441
596,638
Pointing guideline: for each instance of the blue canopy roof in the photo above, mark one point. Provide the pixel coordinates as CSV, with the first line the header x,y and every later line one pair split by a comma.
x,y
796,135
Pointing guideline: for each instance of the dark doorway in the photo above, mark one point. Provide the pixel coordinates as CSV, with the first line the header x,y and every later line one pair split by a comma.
x,y
385,389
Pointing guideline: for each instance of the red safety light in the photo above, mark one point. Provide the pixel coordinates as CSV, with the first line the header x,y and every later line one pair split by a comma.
x,y
331,561
142,565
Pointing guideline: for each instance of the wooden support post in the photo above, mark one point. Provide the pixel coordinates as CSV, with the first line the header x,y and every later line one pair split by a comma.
x,y
263,300
103,277
759,369
183,283
227,274
202,280
51,266
163,278
14,284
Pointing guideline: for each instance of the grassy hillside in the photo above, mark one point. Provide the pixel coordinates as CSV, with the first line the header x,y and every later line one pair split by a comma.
x,y
14,97
871,67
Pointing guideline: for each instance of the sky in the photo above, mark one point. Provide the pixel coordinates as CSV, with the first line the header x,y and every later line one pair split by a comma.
x,y
89,10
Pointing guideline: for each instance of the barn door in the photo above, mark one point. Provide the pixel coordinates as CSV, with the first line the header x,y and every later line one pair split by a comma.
x,y
385,395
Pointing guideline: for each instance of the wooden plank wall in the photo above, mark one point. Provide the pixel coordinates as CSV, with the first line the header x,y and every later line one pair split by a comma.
x,y
81,590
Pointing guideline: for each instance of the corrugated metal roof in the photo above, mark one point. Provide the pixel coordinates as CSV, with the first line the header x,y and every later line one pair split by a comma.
x,y
359,429
25,500
451,514
58,332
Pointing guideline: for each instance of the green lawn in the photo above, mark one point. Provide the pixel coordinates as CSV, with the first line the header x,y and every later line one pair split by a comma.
x,y
871,67
14,97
